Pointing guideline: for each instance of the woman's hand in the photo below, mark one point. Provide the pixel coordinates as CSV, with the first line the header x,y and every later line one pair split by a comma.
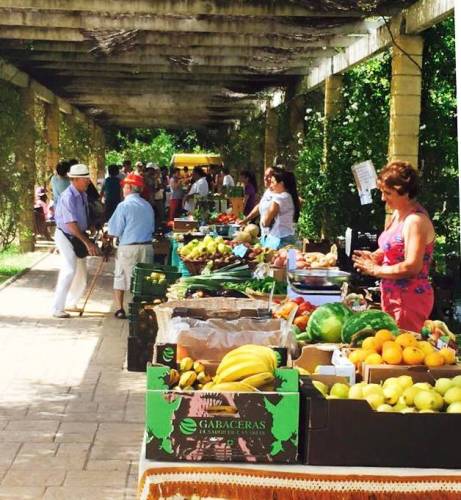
x,y
364,262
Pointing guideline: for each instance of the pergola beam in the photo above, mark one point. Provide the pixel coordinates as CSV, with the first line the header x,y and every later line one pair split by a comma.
x,y
178,24
194,8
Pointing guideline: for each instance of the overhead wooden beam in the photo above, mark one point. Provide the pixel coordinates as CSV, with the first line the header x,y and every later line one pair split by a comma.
x,y
194,7
418,17
13,75
42,92
178,24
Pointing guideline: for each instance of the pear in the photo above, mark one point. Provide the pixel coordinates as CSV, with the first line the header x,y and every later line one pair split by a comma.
x,y
320,386
405,381
453,395
392,393
356,391
385,408
442,385
375,400
456,381
409,394
340,390
372,389
454,407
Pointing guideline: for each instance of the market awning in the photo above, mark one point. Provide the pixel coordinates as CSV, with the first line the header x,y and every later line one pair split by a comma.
x,y
193,160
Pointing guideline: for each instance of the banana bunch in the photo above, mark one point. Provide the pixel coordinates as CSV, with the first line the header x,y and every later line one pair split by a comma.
x,y
438,328
191,375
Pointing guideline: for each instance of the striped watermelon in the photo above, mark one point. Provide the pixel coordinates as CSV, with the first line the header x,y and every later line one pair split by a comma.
x,y
372,318
326,322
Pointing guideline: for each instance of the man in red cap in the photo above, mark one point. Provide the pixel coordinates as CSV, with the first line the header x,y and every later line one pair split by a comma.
x,y
133,223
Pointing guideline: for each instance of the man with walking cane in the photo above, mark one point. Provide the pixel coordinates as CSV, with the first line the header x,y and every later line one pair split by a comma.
x,y
74,246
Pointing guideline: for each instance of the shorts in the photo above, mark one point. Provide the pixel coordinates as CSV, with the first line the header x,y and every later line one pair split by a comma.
x,y
127,257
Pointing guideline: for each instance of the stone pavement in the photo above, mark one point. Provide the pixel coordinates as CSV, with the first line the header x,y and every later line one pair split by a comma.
x,y
71,416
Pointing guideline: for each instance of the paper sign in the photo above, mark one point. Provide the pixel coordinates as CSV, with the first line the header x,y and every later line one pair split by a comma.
x,y
365,179
240,251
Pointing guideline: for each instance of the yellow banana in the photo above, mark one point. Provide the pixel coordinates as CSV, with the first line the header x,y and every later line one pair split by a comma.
x,y
186,364
257,351
187,379
174,377
232,387
207,386
240,370
259,379
442,326
240,359
203,378
198,367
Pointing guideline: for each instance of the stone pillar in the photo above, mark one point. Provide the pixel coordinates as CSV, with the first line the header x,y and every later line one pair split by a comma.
x,y
405,105
25,165
100,152
52,136
332,104
270,137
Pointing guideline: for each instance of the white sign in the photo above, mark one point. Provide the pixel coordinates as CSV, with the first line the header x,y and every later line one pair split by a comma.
x,y
365,179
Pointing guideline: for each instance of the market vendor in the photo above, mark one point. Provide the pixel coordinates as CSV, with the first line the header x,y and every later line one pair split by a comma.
x,y
133,223
404,256
199,187
278,221
265,201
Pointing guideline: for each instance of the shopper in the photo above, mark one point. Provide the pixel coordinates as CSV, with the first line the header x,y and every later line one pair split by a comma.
x,y
60,181
228,180
133,223
177,194
251,187
404,256
199,188
264,203
72,241
279,220
111,191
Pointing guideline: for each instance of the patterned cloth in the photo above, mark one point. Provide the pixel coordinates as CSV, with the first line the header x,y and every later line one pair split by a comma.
x,y
409,300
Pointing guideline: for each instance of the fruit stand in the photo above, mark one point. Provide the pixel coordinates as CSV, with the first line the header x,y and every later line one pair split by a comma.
x,y
257,397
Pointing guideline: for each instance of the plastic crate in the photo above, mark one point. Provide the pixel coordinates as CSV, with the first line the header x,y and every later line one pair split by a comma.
x,y
140,271
142,320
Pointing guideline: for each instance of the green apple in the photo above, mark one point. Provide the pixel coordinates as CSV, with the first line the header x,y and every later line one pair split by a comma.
x,y
453,395
320,386
405,381
454,407
340,390
385,408
442,385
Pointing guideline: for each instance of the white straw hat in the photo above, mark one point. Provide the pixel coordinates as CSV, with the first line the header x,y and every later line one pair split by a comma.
x,y
78,170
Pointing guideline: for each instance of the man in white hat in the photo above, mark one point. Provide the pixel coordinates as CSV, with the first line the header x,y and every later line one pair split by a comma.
x,y
71,217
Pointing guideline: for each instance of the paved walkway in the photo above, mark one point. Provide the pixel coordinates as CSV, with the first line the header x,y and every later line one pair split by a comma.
x,y
71,416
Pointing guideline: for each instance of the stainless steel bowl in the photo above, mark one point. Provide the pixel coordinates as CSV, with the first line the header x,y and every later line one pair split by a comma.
x,y
303,280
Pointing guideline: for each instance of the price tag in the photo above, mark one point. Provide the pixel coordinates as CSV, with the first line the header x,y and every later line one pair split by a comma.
x,y
240,251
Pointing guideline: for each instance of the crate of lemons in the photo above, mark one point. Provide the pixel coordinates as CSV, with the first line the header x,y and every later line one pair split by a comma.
x,y
404,349
401,395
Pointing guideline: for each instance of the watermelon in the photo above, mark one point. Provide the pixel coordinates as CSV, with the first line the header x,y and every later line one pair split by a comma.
x,y
372,318
326,322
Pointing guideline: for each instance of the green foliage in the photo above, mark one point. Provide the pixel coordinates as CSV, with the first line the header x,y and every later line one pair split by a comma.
x,y
11,118
152,145
357,133
438,137
74,139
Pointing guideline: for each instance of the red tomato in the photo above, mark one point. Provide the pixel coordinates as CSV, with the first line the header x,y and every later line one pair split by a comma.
x,y
305,307
298,300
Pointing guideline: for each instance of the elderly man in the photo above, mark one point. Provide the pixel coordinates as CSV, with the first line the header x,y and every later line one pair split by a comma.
x,y
133,223
71,217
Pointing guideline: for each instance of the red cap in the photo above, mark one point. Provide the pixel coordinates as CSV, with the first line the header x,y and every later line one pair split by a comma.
x,y
134,180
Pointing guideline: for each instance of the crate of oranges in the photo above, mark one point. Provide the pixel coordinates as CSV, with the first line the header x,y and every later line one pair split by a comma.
x,y
405,350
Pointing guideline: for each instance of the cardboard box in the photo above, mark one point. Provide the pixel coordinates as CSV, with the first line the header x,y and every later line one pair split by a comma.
x,y
184,225
319,358
420,373
255,427
349,432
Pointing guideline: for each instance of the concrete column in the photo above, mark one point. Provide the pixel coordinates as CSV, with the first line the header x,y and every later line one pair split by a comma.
x,y
25,165
270,137
52,136
100,152
405,105
332,104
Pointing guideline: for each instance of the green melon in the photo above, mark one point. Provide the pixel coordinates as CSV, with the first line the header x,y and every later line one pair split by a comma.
x,y
372,318
326,322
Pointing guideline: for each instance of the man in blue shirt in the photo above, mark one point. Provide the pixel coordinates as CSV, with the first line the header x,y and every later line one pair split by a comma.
x,y
133,223
71,217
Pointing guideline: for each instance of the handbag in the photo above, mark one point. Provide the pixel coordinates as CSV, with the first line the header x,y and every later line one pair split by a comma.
x,y
77,244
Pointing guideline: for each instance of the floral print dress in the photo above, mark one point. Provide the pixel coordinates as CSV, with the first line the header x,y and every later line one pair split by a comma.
x,y
408,300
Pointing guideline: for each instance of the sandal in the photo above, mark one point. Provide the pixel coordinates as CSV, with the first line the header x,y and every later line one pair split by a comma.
x,y
120,314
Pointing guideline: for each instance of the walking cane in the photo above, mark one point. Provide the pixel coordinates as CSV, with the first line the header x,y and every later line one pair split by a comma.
x,y
106,249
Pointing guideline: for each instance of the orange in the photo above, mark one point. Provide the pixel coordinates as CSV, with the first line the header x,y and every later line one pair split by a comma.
x,y
449,355
413,356
358,356
382,336
392,354
434,359
426,347
406,340
388,343
374,359
370,344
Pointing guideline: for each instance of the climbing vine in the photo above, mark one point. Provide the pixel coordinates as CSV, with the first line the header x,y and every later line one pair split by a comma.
x,y
74,138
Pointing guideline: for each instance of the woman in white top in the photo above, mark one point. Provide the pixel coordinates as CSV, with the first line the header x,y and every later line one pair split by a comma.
x,y
264,203
199,187
228,180
279,220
